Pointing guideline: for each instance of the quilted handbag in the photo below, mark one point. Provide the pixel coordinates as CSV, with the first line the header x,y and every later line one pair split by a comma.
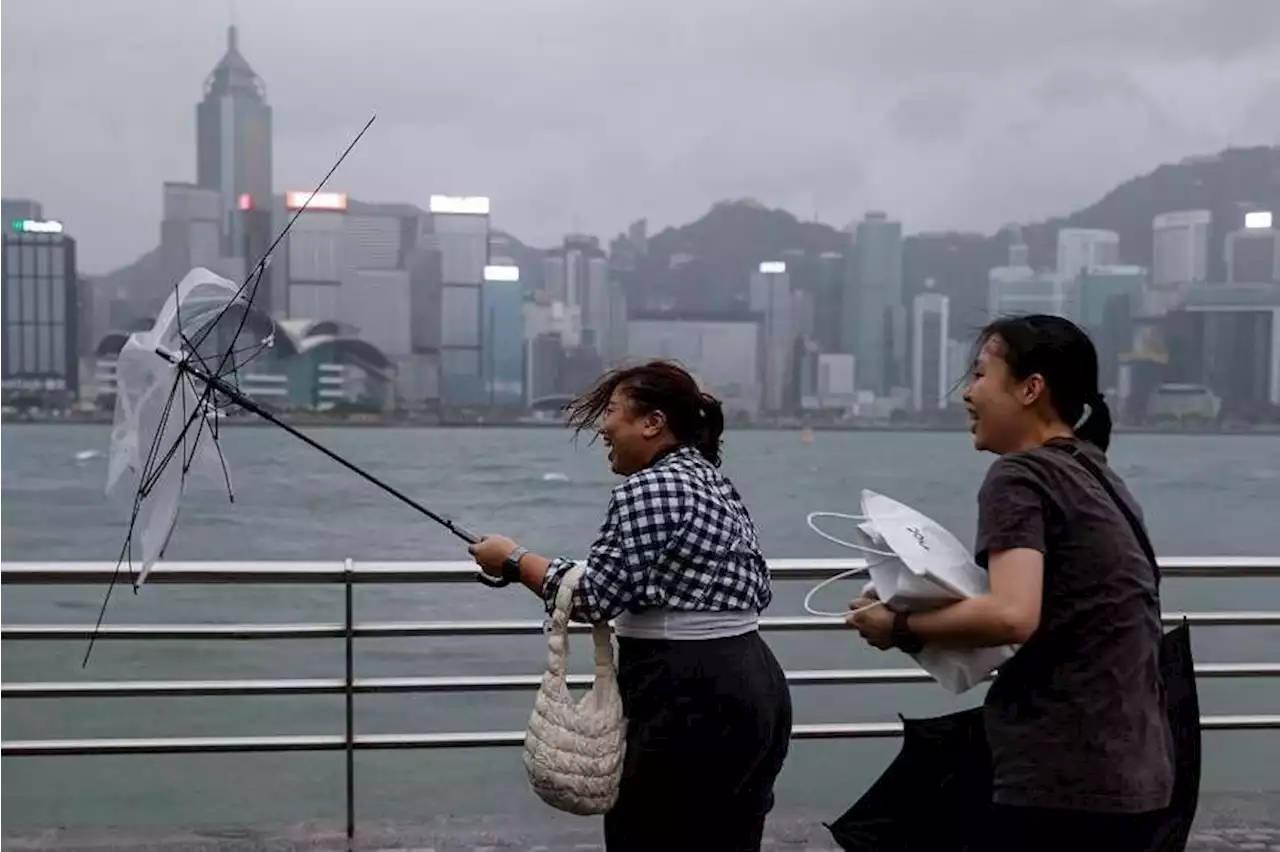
x,y
573,750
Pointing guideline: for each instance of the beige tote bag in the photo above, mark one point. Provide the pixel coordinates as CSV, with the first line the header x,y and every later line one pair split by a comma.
x,y
573,750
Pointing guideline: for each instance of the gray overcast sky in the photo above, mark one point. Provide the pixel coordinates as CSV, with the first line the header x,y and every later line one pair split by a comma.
x,y
585,114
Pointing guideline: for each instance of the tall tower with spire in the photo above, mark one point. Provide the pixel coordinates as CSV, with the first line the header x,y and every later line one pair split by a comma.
x,y
233,141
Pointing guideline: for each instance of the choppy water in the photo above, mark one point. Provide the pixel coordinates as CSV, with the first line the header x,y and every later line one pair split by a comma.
x,y
1203,495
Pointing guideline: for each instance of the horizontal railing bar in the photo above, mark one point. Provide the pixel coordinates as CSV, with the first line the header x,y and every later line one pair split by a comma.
x,y
401,630
84,573
476,683
378,742
366,686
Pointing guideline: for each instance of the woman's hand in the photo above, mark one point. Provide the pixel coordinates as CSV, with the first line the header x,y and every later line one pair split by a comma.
x,y
873,620
490,552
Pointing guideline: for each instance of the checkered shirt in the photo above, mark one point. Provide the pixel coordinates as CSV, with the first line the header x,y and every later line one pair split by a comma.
x,y
676,536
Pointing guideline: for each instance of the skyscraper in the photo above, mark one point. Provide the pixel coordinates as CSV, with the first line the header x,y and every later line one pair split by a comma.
x,y
930,372
1079,248
460,228
874,311
504,334
1180,248
233,141
41,295
771,297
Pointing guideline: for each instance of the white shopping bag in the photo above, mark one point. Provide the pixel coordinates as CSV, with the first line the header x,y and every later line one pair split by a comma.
x,y
915,565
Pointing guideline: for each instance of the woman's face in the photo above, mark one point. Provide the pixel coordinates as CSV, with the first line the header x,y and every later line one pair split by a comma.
x,y
1000,406
631,438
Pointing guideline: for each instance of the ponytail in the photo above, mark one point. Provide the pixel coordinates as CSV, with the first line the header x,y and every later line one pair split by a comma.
x,y
1094,424
710,428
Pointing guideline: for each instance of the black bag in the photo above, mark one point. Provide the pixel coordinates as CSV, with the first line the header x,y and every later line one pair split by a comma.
x,y
936,794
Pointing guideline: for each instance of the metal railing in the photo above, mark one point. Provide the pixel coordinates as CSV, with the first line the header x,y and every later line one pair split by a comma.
x,y
350,575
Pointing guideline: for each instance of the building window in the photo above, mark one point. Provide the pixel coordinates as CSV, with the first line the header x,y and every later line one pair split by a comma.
x,y
460,316
460,362
28,299
14,356
58,340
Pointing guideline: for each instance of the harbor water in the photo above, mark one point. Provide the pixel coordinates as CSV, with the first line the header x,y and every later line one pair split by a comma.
x,y
1202,495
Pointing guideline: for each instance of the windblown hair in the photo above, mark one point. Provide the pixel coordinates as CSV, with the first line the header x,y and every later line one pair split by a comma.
x,y
695,418
1064,355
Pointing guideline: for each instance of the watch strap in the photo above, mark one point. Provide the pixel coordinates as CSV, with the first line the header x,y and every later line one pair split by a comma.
x,y
511,567
903,638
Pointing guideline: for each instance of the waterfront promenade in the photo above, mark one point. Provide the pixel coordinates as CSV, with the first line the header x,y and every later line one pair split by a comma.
x,y
1224,822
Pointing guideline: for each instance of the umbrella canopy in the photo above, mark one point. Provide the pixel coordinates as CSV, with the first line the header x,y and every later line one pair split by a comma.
x,y
163,415
935,795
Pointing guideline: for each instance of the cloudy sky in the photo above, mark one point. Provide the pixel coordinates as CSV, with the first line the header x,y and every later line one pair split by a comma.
x,y
586,114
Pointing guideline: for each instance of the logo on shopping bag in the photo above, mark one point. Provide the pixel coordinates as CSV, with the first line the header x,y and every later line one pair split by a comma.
x,y
918,535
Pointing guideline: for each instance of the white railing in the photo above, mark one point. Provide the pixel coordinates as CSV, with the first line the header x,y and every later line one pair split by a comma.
x,y
350,575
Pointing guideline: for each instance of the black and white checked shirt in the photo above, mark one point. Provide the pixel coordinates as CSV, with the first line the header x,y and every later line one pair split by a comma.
x,y
676,536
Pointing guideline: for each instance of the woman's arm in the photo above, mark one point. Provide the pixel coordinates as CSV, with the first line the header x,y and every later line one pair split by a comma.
x,y
533,572
1011,544
1007,615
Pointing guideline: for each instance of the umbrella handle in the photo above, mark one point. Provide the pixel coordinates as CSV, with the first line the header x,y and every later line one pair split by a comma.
x,y
471,538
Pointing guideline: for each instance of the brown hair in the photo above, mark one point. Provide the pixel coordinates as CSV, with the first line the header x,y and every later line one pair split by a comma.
x,y
695,418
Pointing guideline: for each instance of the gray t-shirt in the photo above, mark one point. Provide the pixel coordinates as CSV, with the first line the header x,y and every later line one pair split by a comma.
x,y
1076,719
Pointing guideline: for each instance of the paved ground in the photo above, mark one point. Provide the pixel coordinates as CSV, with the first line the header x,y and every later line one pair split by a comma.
x,y
1223,823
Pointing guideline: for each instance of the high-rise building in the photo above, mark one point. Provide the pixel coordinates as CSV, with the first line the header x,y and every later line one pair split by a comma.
x,y
315,254
1106,300
233,141
1252,252
41,312
460,232
503,302
1079,248
873,304
829,295
1180,248
1227,337
190,237
772,299
721,349
930,370
1017,289
376,304
577,273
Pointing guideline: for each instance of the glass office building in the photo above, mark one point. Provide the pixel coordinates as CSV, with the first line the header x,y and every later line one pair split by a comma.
x,y
503,303
40,313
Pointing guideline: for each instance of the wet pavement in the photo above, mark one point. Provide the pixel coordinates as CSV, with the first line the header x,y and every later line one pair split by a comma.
x,y
1236,822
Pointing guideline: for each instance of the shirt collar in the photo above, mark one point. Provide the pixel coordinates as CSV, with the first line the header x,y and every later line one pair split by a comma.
x,y
676,450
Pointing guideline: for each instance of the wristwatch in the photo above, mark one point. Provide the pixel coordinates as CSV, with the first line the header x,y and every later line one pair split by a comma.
x,y
903,638
511,567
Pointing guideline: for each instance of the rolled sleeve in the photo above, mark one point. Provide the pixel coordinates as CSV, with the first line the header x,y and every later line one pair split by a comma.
x,y
613,572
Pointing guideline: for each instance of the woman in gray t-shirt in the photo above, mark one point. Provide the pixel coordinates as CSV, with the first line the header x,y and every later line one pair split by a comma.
x,y
1076,720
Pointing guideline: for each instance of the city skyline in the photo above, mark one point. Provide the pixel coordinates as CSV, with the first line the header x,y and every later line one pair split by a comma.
x,y
1154,87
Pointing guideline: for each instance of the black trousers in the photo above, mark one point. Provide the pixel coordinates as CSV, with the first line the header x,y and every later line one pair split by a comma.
x,y
1021,829
709,726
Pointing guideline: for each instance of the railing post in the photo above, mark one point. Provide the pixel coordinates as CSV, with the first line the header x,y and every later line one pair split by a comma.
x,y
349,683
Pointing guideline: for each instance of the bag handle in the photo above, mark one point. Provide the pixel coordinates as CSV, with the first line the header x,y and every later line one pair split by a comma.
x,y
1096,472
849,544
558,638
